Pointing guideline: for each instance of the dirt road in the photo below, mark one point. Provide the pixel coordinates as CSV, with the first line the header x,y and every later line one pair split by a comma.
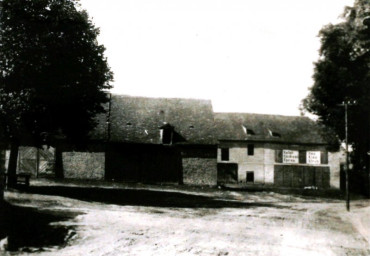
x,y
210,222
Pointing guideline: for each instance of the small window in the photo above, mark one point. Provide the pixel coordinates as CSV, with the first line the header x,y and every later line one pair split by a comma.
x,y
167,136
248,131
250,149
276,134
250,176
278,156
224,154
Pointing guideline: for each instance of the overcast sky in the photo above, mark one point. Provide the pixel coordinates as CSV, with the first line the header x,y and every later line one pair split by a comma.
x,y
246,56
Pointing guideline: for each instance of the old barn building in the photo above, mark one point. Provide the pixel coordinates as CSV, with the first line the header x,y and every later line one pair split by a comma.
x,y
169,140
286,151
150,140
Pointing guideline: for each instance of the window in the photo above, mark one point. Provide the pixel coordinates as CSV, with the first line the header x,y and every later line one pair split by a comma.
x,y
274,134
166,133
224,154
167,136
250,176
248,131
250,149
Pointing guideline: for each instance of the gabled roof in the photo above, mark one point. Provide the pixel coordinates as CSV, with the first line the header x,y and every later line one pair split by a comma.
x,y
139,120
272,128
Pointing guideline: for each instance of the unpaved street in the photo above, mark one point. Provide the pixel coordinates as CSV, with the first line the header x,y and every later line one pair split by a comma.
x,y
209,222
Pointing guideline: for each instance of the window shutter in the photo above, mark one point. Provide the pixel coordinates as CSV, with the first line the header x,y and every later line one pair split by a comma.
x,y
302,156
278,156
324,157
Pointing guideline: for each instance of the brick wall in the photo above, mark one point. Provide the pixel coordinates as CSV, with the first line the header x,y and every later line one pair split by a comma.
x,y
84,165
199,171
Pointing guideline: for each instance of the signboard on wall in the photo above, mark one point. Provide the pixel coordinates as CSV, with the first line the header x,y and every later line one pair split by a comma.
x,y
313,157
290,156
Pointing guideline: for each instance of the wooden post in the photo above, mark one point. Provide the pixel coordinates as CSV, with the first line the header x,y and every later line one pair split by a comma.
x,y
12,166
368,170
2,175
37,162
347,158
345,104
59,172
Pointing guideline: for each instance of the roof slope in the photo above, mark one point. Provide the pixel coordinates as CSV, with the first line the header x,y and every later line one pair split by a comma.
x,y
273,128
139,119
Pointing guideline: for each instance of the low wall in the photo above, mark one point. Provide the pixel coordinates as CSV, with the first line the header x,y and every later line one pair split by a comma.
x,y
84,165
199,171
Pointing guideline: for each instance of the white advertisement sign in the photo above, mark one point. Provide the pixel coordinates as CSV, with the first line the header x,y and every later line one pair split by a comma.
x,y
290,156
313,157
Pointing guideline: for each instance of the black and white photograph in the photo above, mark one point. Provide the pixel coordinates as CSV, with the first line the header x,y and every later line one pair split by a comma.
x,y
185,127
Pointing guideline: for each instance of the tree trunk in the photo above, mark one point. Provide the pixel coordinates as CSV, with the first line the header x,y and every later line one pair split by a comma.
x,y
2,175
59,173
12,166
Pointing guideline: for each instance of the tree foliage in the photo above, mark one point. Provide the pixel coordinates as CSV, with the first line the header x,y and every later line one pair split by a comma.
x,y
342,74
53,73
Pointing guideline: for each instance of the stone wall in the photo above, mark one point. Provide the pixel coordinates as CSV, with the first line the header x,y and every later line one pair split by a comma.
x,y
84,165
199,171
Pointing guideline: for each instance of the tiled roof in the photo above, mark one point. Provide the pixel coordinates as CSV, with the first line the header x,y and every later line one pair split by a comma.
x,y
139,119
273,128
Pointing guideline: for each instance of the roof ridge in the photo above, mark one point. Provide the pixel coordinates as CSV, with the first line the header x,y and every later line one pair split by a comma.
x,y
248,113
159,98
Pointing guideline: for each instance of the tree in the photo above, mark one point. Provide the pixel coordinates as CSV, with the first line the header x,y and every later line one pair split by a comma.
x,y
342,74
53,73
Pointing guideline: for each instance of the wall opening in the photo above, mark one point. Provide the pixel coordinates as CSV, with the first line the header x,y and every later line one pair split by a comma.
x,y
250,177
224,154
250,149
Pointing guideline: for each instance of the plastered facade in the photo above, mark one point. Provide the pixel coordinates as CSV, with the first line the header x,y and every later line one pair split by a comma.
x,y
263,161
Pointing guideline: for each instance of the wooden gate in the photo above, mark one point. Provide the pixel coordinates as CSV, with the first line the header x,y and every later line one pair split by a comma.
x,y
301,176
34,161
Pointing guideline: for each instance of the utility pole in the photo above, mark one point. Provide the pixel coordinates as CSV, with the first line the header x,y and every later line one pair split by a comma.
x,y
2,174
345,104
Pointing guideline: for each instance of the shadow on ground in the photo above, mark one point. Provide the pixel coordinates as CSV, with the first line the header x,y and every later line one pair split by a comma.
x,y
140,197
28,229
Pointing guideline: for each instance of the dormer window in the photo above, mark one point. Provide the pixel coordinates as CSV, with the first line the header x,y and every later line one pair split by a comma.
x,y
166,134
274,134
248,131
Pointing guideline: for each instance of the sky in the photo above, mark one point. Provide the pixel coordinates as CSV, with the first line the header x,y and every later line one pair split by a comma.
x,y
246,56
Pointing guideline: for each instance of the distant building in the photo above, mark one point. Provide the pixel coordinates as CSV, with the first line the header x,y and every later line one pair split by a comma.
x,y
285,151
